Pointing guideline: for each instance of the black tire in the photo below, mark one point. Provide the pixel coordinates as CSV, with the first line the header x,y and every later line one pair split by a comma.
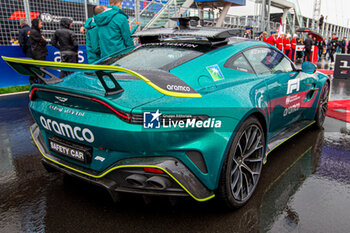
x,y
322,107
242,168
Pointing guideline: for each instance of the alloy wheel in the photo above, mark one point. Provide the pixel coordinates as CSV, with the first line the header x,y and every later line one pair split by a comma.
x,y
247,163
324,103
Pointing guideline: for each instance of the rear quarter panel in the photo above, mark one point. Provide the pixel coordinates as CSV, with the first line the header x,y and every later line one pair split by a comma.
x,y
231,100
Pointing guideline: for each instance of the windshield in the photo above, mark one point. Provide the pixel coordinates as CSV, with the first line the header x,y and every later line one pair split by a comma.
x,y
154,57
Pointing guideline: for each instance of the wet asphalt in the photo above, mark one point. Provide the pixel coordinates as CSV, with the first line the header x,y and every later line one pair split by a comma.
x,y
304,187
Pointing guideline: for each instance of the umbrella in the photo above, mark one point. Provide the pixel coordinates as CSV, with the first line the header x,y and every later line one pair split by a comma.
x,y
309,31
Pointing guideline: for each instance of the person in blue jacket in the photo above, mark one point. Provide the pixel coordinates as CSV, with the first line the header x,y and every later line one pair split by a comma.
x,y
92,41
113,30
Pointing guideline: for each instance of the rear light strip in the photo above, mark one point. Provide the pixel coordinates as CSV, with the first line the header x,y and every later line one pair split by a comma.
x,y
119,113
31,95
124,116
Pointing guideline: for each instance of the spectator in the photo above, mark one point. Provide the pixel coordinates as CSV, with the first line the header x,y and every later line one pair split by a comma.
x,y
66,41
328,48
338,50
308,46
23,37
321,22
333,46
272,39
294,46
343,45
113,30
92,43
287,44
247,33
300,54
37,41
280,42
265,36
321,47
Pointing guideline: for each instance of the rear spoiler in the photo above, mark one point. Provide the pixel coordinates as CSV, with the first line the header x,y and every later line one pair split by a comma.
x,y
162,81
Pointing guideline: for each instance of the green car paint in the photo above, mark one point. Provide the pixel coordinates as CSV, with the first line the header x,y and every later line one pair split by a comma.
x,y
228,95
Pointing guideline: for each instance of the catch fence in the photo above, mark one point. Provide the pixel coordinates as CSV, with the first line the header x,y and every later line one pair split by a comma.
x,y
52,11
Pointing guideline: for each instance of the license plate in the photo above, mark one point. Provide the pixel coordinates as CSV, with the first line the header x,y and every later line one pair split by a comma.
x,y
71,150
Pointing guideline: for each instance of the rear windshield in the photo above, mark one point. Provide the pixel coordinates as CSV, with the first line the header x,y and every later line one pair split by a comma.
x,y
154,57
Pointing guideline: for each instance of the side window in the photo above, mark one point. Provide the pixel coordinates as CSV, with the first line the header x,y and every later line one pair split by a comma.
x,y
260,59
283,65
239,62
268,61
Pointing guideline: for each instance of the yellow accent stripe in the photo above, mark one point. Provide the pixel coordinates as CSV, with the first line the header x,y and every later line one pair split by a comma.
x,y
119,167
101,67
289,138
284,172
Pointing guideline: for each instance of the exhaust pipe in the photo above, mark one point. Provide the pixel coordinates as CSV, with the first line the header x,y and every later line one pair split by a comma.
x,y
137,180
158,182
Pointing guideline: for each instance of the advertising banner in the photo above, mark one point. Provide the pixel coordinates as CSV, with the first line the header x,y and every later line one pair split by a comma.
x,y
342,66
9,77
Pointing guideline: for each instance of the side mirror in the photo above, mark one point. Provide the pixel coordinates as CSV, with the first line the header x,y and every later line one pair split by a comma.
x,y
308,67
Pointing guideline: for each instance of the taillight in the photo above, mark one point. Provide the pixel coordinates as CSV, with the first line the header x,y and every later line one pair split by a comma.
x,y
123,115
152,170
32,92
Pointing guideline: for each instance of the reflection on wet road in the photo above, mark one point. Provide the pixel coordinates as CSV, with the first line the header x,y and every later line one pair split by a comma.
x,y
305,187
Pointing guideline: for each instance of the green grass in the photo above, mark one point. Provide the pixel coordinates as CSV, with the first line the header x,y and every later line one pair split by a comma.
x,y
4,90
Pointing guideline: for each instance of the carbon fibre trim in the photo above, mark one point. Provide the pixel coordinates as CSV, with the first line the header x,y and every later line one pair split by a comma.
x,y
287,134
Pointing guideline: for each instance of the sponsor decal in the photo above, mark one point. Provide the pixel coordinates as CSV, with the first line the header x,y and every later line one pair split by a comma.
x,y
67,130
99,158
57,57
291,109
242,69
152,120
79,155
61,99
191,123
215,72
292,98
49,18
17,15
178,88
172,44
293,85
66,110
344,64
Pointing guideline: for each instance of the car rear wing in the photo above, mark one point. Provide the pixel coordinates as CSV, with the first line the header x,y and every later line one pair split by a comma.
x,y
162,81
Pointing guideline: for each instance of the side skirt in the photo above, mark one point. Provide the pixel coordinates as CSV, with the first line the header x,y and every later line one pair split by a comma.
x,y
286,135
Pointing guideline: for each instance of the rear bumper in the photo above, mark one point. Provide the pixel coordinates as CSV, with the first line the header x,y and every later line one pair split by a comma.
x,y
182,181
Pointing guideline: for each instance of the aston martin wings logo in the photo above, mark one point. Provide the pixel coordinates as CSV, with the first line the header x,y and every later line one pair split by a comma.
x,y
61,99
